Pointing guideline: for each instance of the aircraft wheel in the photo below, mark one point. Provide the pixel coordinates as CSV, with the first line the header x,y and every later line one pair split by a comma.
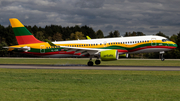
x,y
97,62
90,63
162,59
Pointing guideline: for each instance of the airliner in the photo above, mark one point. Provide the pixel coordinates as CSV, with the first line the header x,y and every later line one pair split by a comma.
x,y
104,49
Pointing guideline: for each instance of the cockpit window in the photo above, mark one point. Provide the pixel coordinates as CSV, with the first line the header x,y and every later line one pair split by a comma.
x,y
164,40
168,40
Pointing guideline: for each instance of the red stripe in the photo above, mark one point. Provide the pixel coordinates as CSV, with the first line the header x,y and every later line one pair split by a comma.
x,y
27,39
122,51
168,47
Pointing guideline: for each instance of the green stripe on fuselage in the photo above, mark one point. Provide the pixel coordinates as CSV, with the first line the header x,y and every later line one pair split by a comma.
x,y
126,48
114,47
138,46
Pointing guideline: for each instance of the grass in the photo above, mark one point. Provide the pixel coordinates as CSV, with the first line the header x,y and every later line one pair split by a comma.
x,y
88,85
80,61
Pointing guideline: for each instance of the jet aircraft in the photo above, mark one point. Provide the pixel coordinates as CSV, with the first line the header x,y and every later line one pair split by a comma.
x,y
104,49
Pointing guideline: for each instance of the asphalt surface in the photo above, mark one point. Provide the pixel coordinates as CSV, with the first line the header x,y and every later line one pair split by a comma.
x,y
100,67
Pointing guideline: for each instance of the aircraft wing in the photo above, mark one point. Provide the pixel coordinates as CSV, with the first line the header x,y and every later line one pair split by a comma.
x,y
84,51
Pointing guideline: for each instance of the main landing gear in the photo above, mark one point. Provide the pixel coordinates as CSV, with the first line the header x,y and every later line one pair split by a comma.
x,y
161,53
97,62
90,62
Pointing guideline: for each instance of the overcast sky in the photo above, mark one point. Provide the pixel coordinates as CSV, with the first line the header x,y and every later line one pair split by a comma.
x,y
147,16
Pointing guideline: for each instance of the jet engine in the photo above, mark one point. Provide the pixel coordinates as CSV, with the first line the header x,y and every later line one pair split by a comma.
x,y
109,55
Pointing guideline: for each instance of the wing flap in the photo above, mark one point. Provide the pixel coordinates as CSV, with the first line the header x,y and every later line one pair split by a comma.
x,y
83,51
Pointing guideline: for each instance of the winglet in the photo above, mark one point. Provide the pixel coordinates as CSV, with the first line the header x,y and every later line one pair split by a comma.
x,y
88,37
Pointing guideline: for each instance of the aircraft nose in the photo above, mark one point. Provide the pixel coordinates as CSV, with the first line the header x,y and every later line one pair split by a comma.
x,y
175,45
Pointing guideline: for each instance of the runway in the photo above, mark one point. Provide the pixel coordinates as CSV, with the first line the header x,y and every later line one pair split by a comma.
x,y
100,67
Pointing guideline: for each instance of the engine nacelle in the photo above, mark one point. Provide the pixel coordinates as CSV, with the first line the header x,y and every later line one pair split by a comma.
x,y
109,55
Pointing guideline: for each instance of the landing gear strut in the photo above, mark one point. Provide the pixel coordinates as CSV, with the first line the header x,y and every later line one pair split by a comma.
x,y
162,58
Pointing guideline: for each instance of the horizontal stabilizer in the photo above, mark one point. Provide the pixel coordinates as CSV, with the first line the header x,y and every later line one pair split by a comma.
x,y
19,48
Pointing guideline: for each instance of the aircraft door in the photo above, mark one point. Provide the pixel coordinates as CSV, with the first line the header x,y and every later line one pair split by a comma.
x,y
153,42
42,49
104,43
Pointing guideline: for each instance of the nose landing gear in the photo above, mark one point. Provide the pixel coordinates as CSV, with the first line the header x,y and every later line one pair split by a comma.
x,y
161,53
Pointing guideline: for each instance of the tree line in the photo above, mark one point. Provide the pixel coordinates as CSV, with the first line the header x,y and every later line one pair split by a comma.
x,y
59,33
